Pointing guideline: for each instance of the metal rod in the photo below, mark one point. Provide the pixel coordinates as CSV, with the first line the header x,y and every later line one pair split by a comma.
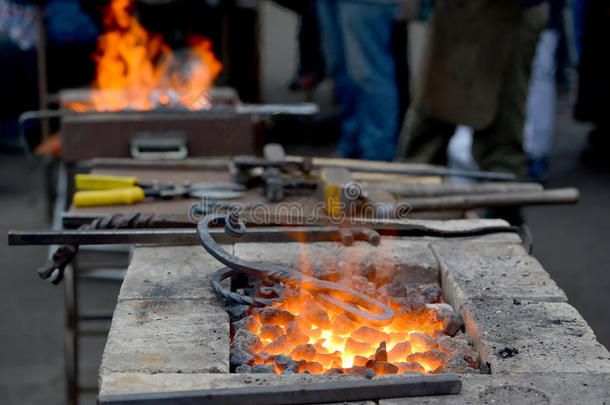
x,y
42,115
337,391
250,162
272,234
436,171
175,236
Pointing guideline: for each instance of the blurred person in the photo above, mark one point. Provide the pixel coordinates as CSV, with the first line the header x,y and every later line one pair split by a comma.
x,y
542,97
311,63
357,46
593,102
18,37
476,72
578,8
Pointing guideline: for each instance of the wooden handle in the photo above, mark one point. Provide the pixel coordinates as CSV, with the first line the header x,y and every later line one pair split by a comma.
x,y
464,202
445,189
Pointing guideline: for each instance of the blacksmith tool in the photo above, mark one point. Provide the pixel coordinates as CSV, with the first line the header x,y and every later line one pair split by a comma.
x,y
274,186
508,199
444,189
340,193
99,190
351,301
170,230
275,182
245,163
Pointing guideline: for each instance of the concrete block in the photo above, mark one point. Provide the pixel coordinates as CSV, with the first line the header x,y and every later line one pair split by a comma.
x,y
492,271
551,337
171,273
411,262
523,389
167,336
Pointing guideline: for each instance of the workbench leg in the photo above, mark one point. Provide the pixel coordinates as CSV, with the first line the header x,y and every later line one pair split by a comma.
x,y
71,334
41,63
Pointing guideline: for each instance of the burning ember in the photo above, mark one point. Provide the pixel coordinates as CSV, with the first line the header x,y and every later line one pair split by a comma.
x,y
297,334
136,70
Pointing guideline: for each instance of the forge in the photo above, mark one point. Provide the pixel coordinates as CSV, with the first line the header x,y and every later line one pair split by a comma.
x,y
480,307
149,101
300,333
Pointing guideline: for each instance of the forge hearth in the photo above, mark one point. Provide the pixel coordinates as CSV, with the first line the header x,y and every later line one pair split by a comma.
x,y
298,333
171,333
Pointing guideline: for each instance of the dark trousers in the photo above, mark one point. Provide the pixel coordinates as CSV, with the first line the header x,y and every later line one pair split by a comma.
x,y
499,146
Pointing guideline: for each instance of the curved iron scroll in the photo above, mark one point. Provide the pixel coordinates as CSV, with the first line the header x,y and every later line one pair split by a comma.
x,y
357,305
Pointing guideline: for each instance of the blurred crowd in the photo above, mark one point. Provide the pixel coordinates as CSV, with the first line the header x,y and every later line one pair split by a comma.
x,y
490,70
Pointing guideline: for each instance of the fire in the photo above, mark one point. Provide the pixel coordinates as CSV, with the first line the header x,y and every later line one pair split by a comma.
x,y
325,340
136,70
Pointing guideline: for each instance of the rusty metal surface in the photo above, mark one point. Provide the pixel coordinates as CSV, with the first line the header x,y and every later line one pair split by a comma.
x,y
108,134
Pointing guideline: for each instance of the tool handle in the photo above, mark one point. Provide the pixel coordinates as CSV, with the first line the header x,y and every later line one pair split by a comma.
x,y
119,196
101,182
511,199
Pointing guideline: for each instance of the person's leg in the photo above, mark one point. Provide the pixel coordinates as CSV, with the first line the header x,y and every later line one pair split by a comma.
x,y
541,105
499,147
593,102
426,139
310,55
333,52
367,34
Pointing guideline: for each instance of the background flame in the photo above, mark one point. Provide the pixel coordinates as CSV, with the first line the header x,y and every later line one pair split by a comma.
x,y
137,70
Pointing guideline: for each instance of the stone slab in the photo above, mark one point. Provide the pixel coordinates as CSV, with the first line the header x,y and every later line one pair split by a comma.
x,y
492,271
412,262
523,389
551,337
176,272
167,336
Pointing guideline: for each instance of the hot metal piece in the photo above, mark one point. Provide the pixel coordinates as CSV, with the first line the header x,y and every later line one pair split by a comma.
x,y
351,301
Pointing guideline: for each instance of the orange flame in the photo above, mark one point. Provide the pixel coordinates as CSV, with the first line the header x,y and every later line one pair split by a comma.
x,y
137,70
323,338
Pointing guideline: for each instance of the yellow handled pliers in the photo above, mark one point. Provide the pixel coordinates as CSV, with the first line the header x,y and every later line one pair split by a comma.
x,y
101,190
